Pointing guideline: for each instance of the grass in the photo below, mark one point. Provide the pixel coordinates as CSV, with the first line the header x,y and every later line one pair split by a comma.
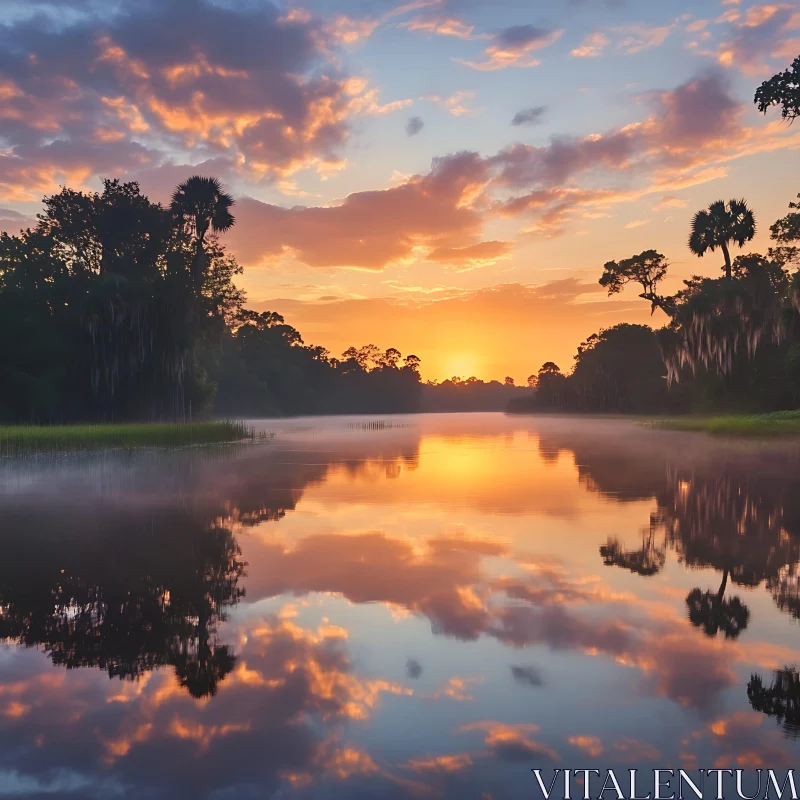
x,y
776,423
22,439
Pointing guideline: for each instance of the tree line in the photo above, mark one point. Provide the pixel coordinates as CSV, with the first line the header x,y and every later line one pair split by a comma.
x,y
731,342
114,307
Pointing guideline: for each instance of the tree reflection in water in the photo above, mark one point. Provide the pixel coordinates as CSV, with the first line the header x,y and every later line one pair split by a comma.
x,y
780,700
126,593
713,613
131,565
728,522
785,589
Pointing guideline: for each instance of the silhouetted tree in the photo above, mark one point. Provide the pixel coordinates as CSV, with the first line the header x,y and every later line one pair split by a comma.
x,y
412,362
781,90
98,314
200,204
648,269
618,370
786,231
719,226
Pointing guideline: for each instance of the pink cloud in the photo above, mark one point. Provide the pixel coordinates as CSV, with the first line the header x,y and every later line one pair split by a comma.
x,y
513,47
369,230
592,46
760,37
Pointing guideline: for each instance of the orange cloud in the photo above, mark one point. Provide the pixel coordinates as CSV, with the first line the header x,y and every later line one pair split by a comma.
x,y
472,256
590,745
444,26
513,46
511,742
448,763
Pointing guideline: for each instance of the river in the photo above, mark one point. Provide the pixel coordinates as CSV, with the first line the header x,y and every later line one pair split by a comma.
x,y
412,606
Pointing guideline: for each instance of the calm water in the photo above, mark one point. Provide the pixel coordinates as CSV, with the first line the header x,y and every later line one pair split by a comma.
x,y
427,607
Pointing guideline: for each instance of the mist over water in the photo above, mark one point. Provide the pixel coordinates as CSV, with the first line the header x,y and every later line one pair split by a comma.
x,y
399,607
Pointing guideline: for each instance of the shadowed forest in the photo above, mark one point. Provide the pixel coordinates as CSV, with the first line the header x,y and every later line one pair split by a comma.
x,y
114,307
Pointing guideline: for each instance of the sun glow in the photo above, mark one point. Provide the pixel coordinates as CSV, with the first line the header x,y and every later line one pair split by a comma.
x,y
461,365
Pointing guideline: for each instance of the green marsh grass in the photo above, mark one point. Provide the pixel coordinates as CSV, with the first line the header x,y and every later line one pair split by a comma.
x,y
23,439
776,423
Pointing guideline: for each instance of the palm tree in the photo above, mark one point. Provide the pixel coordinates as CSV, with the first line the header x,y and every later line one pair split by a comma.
x,y
713,613
719,225
201,203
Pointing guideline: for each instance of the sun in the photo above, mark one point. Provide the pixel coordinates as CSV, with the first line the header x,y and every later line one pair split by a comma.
x,y
461,365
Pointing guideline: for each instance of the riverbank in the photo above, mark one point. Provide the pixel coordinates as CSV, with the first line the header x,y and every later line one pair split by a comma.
x,y
776,423
22,439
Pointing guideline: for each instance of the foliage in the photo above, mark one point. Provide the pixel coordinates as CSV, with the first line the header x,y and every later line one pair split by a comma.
x,y
197,205
647,269
265,369
719,226
99,316
781,90
785,231
618,370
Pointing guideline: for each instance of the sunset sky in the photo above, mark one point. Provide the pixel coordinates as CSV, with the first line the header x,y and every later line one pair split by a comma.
x,y
446,177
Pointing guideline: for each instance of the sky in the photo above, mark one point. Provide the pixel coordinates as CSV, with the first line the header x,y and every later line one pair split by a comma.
x,y
446,177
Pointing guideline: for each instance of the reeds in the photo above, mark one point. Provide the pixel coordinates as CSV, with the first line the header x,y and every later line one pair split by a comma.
x,y
22,439
376,425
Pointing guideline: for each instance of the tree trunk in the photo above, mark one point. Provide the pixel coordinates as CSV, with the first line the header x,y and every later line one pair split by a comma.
x,y
722,587
198,266
726,253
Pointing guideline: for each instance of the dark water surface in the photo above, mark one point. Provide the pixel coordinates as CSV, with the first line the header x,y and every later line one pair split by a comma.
x,y
426,607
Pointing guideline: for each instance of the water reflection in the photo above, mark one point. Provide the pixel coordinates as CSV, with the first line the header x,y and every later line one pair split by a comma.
x,y
123,591
361,610
733,522
780,700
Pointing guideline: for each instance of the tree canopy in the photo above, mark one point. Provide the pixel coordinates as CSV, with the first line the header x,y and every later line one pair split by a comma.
x,y
781,90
